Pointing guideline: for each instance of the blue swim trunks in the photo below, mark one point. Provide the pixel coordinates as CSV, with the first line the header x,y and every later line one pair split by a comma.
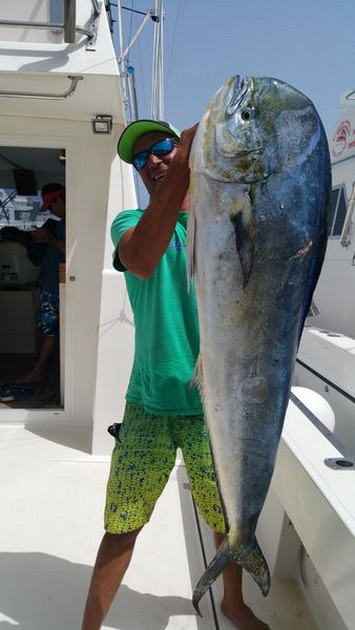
x,y
48,319
142,460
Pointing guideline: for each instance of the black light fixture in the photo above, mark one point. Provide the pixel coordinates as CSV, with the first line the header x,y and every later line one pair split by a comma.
x,y
102,123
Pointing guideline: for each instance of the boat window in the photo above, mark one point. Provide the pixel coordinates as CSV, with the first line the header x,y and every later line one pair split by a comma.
x,y
338,211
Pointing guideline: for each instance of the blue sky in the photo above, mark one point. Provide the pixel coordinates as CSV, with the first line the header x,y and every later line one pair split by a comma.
x,y
308,43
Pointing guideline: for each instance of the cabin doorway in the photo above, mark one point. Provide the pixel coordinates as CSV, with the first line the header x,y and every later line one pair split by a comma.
x,y
23,173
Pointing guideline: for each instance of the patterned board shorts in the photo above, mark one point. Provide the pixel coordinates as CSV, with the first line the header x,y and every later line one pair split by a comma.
x,y
142,460
48,319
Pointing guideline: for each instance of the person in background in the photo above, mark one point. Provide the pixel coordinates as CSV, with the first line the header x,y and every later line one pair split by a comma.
x,y
163,412
52,233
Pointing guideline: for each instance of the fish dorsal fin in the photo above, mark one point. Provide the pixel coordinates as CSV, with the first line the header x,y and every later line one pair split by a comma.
x,y
242,218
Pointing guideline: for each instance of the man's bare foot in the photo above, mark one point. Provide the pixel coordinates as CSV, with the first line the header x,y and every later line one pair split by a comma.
x,y
29,378
242,617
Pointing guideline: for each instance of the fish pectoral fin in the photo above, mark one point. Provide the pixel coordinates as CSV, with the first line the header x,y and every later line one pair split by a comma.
x,y
242,218
250,557
197,377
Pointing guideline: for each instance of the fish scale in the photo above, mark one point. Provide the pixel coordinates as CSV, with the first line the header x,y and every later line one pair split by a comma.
x,y
257,233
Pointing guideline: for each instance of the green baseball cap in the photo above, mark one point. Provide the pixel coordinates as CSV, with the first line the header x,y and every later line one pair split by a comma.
x,y
138,128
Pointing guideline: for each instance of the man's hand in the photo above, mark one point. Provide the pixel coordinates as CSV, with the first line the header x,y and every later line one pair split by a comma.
x,y
42,235
186,139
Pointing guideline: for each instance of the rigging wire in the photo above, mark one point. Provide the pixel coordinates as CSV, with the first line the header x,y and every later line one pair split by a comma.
x,y
133,113
157,109
175,38
132,10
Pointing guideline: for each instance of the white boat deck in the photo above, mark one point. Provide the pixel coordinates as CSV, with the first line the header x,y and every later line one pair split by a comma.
x,y
52,495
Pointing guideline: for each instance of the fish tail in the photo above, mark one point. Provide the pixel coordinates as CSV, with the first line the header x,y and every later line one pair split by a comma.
x,y
250,557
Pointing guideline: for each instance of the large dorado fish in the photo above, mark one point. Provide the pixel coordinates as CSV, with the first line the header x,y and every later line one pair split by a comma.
x,y
260,194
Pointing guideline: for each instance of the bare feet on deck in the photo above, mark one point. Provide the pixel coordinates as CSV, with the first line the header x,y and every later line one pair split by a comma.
x,y
29,378
242,617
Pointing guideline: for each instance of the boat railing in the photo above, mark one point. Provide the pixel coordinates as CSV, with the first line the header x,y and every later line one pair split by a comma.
x,y
73,78
345,239
68,25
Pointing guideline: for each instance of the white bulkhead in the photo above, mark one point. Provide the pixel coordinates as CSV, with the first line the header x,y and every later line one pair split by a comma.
x,y
51,90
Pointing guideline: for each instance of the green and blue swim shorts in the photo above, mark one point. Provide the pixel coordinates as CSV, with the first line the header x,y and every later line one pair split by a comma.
x,y
142,460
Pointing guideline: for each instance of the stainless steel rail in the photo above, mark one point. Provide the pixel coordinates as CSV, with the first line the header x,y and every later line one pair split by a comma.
x,y
45,95
68,26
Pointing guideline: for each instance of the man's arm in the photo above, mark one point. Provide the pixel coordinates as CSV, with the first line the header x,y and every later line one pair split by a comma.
x,y
42,235
142,247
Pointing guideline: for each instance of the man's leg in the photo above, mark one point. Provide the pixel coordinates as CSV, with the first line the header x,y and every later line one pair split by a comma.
x,y
48,327
133,487
38,371
112,561
233,605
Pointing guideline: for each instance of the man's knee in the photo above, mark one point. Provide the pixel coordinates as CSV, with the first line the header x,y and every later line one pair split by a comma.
x,y
123,539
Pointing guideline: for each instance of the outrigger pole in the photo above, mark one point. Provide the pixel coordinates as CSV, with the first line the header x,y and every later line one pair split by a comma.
x,y
127,71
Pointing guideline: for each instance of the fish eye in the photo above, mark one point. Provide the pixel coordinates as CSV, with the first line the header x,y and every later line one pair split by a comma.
x,y
247,113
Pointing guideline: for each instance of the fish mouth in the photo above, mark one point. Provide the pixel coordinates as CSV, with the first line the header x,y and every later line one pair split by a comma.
x,y
254,152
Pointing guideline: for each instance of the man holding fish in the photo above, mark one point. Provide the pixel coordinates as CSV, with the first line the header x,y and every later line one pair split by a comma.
x,y
163,412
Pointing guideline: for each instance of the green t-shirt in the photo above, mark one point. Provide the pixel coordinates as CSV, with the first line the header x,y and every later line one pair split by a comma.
x,y
166,326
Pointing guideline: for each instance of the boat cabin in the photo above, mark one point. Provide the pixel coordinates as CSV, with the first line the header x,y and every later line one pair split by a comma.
x,y
61,114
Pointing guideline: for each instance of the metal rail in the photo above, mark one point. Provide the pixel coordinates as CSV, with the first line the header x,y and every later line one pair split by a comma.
x,y
51,26
346,461
69,21
46,95
68,26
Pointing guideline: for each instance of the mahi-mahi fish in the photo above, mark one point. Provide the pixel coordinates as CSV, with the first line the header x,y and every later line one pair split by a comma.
x,y
257,232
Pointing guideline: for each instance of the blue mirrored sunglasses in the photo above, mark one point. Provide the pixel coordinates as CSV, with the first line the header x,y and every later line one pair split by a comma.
x,y
160,148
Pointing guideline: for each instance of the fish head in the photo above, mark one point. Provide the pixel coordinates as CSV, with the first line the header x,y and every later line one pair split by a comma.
x,y
252,128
